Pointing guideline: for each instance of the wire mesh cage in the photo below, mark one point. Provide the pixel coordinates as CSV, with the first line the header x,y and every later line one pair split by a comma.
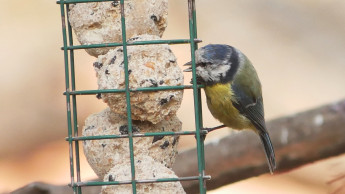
x,y
71,94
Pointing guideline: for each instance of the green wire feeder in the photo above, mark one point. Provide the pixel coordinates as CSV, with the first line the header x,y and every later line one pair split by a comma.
x,y
131,132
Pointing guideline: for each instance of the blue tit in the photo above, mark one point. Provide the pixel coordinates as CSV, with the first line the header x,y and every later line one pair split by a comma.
x,y
233,91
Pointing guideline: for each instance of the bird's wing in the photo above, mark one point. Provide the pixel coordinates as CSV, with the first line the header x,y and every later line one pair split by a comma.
x,y
249,105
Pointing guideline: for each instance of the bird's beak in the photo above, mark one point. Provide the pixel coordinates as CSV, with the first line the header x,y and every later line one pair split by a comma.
x,y
188,69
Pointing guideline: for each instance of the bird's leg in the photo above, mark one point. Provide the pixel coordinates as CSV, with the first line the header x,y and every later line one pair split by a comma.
x,y
213,128
205,131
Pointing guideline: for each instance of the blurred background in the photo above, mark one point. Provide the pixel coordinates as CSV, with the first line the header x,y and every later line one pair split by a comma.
x,y
297,48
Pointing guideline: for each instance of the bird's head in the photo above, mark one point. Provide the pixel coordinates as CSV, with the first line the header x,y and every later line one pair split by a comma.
x,y
215,63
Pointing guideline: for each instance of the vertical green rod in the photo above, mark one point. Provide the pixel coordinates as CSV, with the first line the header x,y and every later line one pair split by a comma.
x,y
74,101
196,47
129,112
68,103
198,124
199,93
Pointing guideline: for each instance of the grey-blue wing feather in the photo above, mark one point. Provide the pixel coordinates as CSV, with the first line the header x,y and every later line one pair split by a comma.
x,y
251,107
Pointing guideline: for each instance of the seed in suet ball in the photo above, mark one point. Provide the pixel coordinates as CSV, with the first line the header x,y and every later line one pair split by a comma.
x,y
100,22
104,154
148,66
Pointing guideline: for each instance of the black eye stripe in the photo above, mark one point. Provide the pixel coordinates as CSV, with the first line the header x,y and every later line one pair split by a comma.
x,y
201,64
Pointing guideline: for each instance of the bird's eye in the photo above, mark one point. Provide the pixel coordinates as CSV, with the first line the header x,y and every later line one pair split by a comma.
x,y
202,64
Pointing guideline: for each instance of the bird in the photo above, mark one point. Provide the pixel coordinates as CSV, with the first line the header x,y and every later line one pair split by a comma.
x,y
233,91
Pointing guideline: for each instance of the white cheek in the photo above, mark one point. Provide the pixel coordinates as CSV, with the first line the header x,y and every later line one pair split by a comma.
x,y
201,72
220,70
215,73
212,73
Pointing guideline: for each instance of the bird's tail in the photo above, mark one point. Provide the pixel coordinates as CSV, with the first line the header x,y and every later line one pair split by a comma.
x,y
266,141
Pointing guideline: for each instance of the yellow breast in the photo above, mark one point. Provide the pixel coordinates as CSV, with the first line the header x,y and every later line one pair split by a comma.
x,y
219,101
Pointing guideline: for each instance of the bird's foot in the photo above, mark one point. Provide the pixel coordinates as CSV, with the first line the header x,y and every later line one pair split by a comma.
x,y
213,128
204,131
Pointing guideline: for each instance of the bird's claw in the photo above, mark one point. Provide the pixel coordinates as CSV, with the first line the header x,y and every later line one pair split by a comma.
x,y
204,131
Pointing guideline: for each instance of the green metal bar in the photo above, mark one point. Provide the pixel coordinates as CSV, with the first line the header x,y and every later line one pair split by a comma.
x,y
147,89
128,100
74,101
194,23
79,1
202,146
95,183
198,124
196,47
177,41
67,85
150,134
